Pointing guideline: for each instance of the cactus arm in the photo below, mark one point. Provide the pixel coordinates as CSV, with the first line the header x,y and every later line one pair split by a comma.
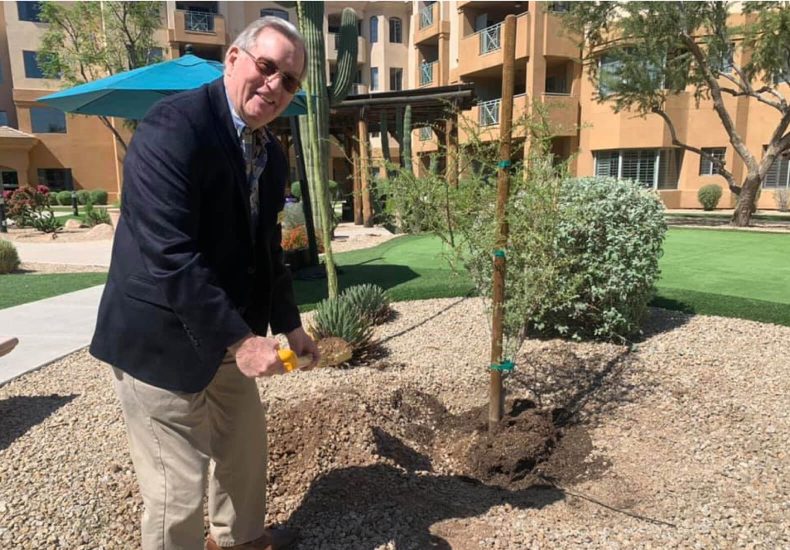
x,y
407,139
346,57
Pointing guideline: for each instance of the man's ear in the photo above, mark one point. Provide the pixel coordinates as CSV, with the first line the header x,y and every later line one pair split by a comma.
x,y
231,57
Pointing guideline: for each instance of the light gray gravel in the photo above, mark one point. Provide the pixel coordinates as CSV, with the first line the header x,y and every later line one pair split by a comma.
x,y
693,424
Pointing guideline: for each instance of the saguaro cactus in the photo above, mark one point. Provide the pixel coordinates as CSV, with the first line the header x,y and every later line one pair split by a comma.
x,y
407,139
316,124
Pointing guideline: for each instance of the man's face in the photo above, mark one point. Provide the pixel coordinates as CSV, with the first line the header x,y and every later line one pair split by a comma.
x,y
258,99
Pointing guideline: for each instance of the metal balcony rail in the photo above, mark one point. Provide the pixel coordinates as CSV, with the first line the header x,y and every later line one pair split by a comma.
x,y
426,73
490,38
198,21
426,16
489,112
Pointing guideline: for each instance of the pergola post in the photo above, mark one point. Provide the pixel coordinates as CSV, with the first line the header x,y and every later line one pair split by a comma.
x,y
451,147
357,168
364,148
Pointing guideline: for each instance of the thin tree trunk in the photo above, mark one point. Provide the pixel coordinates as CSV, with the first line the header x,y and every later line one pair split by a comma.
x,y
746,205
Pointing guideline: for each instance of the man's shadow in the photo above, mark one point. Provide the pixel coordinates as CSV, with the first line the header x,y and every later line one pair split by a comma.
x,y
365,507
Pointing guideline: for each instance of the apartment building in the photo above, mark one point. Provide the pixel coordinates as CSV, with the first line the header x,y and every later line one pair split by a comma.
x,y
403,44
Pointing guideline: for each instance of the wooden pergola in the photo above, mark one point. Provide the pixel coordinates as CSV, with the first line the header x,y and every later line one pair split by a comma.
x,y
352,121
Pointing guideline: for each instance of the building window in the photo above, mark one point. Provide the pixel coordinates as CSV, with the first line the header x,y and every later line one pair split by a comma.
x,y
374,78
706,167
274,12
374,29
46,120
32,70
426,133
725,62
560,7
396,79
3,118
778,176
9,179
609,69
57,179
29,11
396,30
155,55
653,168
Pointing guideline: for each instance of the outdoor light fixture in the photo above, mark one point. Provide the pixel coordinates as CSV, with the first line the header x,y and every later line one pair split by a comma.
x,y
74,203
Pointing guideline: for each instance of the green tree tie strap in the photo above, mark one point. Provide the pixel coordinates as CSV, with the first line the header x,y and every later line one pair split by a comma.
x,y
499,253
504,164
506,365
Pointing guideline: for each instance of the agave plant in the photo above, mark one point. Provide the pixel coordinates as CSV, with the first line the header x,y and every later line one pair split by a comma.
x,y
338,318
371,301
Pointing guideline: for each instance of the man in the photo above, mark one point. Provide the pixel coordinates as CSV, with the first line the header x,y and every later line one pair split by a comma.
x,y
196,279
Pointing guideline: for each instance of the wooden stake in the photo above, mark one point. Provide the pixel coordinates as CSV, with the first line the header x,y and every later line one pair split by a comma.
x,y
496,406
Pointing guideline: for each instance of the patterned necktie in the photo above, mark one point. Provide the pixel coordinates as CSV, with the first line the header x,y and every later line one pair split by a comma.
x,y
255,157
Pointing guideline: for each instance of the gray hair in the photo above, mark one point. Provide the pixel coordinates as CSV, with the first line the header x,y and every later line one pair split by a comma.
x,y
246,38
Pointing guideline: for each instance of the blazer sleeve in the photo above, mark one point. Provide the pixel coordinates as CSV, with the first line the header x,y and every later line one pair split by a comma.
x,y
161,203
284,312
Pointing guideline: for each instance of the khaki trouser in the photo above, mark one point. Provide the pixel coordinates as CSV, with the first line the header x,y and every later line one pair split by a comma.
x,y
172,435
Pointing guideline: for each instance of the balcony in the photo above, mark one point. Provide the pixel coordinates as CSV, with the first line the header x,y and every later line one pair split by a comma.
x,y
429,24
428,73
482,51
332,41
486,116
197,27
563,113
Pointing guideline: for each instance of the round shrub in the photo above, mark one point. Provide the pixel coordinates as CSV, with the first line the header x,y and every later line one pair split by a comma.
x,y
64,198
709,195
83,196
9,258
296,189
99,196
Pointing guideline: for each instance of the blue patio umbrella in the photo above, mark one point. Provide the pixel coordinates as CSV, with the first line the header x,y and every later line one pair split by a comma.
x,y
130,94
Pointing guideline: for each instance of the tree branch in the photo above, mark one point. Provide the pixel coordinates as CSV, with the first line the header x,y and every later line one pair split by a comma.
x,y
718,104
717,163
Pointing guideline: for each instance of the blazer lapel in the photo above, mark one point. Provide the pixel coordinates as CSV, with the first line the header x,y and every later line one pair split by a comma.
x,y
225,130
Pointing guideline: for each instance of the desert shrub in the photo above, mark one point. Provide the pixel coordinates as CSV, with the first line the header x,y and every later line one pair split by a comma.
x,y
293,216
340,319
709,195
83,196
47,223
29,207
296,238
64,198
9,258
99,196
371,301
296,189
95,216
782,198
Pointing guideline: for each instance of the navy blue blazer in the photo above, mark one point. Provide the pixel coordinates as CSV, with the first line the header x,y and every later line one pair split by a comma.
x,y
186,278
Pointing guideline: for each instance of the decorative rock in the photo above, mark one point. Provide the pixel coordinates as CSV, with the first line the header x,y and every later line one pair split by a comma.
x,y
72,224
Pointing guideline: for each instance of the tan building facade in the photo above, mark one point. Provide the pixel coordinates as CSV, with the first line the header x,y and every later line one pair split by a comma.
x,y
402,45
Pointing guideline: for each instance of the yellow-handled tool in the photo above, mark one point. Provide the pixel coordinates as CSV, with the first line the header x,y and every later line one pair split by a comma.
x,y
291,361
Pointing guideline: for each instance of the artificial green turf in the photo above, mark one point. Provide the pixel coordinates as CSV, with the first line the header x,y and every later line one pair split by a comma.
x,y
21,288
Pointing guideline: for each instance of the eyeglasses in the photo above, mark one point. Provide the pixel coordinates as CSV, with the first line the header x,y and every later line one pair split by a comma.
x,y
268,69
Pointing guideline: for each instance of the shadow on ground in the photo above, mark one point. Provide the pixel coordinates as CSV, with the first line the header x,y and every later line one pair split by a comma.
x,y
20,413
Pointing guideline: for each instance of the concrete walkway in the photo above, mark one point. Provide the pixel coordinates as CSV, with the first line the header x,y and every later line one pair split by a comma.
x,y
55,327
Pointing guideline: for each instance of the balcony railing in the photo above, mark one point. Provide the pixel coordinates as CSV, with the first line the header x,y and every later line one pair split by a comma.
x,y
198,21
426,16
426,73
489,112
490,38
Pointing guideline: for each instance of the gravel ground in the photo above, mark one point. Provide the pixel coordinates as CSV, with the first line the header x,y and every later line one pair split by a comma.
x,y
687,437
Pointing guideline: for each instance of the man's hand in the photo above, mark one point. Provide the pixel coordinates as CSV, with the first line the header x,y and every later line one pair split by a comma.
x,y
302,344
257,356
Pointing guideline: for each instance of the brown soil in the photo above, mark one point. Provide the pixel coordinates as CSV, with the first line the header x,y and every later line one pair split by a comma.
x,y
411,434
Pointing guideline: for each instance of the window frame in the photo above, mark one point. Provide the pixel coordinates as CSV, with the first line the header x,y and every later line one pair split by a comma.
x,y
374,82
68,182
36,18
396,28
775,172
709,169
25,57
396,71
374,29
657,157
36,109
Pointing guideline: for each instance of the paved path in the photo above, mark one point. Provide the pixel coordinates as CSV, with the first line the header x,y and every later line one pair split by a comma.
x,y
48,330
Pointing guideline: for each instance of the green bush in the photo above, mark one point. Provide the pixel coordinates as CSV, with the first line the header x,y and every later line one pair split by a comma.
x,y
338,318
708,196
47,223
296,189
83,196
95,216
99,196
9,258
371,301
64,198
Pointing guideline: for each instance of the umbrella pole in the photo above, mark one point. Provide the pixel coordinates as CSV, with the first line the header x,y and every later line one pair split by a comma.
x,y
301,174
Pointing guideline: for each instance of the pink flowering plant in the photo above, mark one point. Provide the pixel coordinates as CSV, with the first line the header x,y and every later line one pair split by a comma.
x,y
29,206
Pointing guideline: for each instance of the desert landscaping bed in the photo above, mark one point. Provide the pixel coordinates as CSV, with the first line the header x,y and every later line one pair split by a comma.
x,y
679,442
